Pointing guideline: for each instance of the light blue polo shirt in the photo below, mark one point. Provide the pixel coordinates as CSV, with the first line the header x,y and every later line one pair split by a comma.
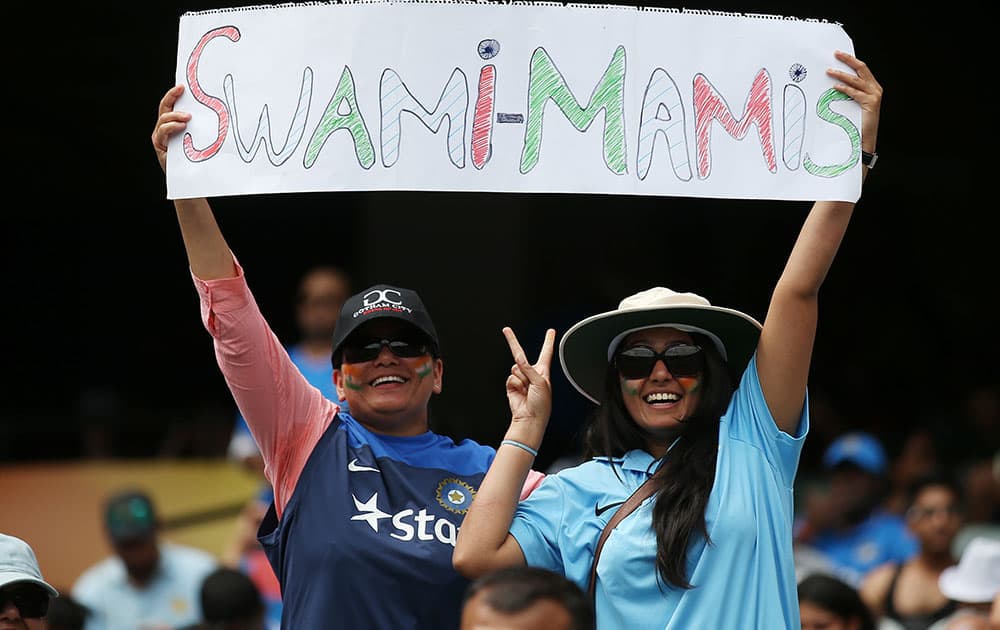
x,y
744,579
172,598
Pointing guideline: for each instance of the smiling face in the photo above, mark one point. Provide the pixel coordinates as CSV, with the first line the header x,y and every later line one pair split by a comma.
x,y
389,394
660,402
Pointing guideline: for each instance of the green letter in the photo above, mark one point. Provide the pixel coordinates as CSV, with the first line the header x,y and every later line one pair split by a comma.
x,y
546,83
352,121
827,114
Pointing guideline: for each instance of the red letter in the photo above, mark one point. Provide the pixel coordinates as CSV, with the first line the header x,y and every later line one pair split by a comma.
x,y
482,119
215,104
708,105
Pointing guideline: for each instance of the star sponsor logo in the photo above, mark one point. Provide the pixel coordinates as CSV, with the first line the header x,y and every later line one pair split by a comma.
x,y
406,524
455,495
354,466
369,511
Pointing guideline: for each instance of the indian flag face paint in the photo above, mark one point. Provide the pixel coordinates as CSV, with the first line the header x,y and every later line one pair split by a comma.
x,y
628,389
690,384
426,369
349,376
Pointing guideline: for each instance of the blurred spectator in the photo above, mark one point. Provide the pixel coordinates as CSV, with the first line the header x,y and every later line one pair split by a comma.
x,y
245,553
981,408
321,294
828,603
907,595
148,583
848,523
975,584
229,601
969,442
982,487
24,594
917,458
973,434
526,598
65,613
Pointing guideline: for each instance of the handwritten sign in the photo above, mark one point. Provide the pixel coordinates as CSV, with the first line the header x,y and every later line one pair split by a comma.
x,y
512,98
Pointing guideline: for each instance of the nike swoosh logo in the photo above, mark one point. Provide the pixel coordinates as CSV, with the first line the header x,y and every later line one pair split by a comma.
x,y
354,467
598,510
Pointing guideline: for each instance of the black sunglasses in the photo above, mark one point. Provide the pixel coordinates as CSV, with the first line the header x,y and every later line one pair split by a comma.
x,y
681,359
31,600
364,350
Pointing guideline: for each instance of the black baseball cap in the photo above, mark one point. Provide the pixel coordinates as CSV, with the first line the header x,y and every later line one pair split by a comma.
x,y
130,515
383,301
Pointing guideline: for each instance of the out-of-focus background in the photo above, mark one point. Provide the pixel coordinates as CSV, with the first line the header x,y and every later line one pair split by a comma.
x,y
110,379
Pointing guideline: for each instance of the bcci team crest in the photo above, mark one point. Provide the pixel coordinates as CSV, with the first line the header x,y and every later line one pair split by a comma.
x,y
455,495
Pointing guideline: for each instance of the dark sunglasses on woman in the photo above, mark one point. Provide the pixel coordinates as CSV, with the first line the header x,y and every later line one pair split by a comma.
x,y
681,359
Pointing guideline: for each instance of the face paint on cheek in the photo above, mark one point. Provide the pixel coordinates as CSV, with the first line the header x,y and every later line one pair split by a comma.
x,y
690,384
349,377
631,390
425,370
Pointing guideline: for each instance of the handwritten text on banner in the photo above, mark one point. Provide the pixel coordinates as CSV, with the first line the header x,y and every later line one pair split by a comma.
x,y
512,97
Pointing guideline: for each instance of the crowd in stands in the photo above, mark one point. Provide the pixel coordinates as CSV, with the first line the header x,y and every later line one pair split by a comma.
x,y
888,525
892,532
900,539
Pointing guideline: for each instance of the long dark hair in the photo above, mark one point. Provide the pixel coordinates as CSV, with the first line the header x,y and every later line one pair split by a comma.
x,y
687,475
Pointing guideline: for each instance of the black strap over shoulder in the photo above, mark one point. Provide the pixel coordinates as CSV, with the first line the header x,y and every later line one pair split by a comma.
x,y
634,501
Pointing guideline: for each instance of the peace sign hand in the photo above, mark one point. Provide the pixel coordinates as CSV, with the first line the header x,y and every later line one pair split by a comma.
x,y
529,387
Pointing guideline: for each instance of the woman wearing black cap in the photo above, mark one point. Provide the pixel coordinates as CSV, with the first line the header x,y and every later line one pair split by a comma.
x,y
702,400
367,503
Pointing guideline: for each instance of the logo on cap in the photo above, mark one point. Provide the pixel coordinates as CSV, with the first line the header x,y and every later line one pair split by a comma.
x,y
382,296
382,300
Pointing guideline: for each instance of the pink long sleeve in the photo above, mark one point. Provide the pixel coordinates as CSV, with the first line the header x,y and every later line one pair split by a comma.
x,y
286,415
531,482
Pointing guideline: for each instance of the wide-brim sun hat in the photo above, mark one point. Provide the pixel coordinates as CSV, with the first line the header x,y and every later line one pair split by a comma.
x,y
587,348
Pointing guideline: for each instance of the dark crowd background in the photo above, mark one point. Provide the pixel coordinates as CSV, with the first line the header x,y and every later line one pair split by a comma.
x,y
106,356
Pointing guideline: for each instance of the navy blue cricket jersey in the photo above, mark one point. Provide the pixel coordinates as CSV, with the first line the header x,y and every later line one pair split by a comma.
x,y
366,540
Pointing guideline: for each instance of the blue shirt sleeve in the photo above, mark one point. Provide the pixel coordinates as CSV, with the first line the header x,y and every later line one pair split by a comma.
x,y
749,420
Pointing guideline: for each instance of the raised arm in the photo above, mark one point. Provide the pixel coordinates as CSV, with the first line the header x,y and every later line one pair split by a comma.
x,y
286,415
786,341
207,251
483,541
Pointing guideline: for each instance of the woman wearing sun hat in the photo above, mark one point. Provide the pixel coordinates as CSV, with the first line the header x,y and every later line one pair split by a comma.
x,y
702,399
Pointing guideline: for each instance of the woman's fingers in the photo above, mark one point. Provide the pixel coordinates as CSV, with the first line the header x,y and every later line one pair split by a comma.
x,y
545,356
515,346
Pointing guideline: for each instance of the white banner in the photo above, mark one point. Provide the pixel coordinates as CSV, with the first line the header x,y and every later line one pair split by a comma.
x,y
512,98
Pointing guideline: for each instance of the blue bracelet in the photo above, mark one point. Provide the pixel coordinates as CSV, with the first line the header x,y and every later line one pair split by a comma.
x,y
533,452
